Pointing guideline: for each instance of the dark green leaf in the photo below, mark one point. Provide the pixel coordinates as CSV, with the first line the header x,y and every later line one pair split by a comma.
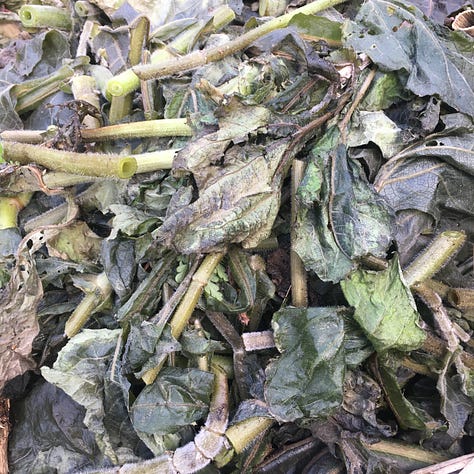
x,y
384,307
397,37
50,435
407,415
306,380
455,405
80,371
176,398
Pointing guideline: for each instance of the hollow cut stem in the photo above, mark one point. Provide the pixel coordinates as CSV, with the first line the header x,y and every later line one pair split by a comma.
x,y
91,164
43,16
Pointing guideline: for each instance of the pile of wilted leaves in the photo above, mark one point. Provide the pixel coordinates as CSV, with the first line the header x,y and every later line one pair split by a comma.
x,y
371,371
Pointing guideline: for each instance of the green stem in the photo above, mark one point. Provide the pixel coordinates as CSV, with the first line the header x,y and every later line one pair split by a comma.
x,y
150,128
127,81
242,434
299,287
85,9
91,164
200,58
84,88
89,304
186,306
10,207
30,93
430,261
120,107
42,16
155,160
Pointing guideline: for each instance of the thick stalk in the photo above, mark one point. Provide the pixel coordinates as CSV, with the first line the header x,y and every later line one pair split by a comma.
x,y
127,81
120,107
200,58
89,304
462,298
148,128
188,303
91,164
299,288
42,16
432,259
155,160
84,88
242,434
10,207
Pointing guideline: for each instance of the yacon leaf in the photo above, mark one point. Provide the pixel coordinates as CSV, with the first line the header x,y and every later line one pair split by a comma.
x,y
397,37
384,308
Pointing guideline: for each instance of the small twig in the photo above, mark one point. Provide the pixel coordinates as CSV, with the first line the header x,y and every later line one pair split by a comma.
x,y
359,96
4,433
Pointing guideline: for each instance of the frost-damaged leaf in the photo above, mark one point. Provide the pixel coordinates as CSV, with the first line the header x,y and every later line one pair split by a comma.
x,y
455,405
306,380
81,371
238,204
18,322
375,127
177,398
50,434
433,174
407,415
340,217
384,307
398,38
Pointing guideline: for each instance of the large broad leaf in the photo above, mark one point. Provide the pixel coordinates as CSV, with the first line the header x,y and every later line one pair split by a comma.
x,y
306,380
434,174
50,435
340,216
176,398
397,37
81,370
384,307
18,321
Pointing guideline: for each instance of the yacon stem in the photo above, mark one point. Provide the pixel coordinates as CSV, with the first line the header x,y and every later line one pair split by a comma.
x,y
200,58
149,128
432,259
91,164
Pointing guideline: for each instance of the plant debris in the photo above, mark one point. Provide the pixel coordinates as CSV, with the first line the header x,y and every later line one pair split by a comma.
x,y
236,237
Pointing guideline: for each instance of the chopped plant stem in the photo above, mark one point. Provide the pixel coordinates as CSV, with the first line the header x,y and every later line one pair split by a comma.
x,y
139,31
84,88
10,206
299,288
186,307
191,297
449,467
27,136
359,96
200,58
89,305
437,347
91,164
258,341
441,318
85,9
43,16
4,433
149,128
242,434
120,107
127,81
30,95
462,298
437,253
406,451
229,333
